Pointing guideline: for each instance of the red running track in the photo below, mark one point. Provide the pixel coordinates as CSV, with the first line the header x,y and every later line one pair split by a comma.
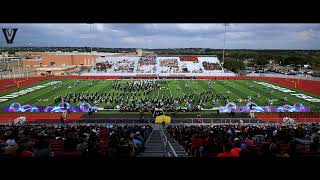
x,y
278,117
39,117
9,84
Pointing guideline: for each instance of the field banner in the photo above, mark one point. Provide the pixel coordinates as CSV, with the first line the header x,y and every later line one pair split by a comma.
x,y
85,107
285,108
81,107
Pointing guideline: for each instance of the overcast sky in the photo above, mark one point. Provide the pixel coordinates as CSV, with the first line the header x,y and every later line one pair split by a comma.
x,y
239,36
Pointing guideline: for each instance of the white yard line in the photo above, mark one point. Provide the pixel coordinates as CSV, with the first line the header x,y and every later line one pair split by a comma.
x,y
169,88
180,88
192,88
200,86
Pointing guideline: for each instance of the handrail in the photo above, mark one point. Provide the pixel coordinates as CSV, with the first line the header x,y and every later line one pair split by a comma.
x,y
163,142
167,142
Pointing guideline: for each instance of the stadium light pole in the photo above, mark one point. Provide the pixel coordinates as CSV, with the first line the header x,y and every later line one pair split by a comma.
x,y
90,34
224,42
90,44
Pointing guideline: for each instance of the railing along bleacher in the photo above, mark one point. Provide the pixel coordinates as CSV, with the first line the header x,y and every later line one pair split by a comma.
x,y
165,144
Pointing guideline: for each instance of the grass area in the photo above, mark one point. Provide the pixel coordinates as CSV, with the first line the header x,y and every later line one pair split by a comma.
x,y
176,88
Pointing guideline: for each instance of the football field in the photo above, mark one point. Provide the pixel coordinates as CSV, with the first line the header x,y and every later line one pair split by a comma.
x,y
237,92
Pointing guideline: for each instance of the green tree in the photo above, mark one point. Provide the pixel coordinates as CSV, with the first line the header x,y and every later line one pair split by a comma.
x,y
233,65
11,51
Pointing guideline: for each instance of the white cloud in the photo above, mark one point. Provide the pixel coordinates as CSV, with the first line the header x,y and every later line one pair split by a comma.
x,y
132,40
167,35
200,27
99,27
304,35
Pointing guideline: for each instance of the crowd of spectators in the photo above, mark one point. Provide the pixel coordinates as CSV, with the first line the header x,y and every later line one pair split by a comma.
x,y
147,61
124,65
248,141
3,69
79,70
169,66
103,66
197,70
40,141
146,69
194,69
147,64
211,66
169,63
184,69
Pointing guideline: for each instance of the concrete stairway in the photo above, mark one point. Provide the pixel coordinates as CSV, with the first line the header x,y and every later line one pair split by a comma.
x,y
179,150
155,146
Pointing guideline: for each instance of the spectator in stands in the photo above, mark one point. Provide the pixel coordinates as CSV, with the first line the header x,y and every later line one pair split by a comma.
x,y
26,151
227,151
292,147
2,142
11,148
169,63
146,61
113,144
266,150
70,143
93,144
236,146
249,141
195,145
211,66
211,148
315,145
137,142
41,149
82,146
314,134
273,147
126,148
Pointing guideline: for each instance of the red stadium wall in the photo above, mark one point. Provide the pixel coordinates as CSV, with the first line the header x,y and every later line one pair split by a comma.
x,y
299,117
6,118
291,115
9,84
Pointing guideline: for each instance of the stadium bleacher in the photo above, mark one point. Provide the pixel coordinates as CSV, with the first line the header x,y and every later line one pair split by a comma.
x,y
147,64
248,141
40,141
245,142
158,65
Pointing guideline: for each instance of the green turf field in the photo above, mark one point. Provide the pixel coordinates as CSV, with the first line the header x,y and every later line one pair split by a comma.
x,y
176,88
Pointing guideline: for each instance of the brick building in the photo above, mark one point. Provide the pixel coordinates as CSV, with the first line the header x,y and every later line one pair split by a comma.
x,y
58,59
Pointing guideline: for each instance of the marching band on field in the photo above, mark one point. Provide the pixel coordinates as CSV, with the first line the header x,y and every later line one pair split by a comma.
x,y
140,95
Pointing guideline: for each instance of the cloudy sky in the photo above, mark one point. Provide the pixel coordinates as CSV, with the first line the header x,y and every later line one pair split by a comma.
x,y
239,36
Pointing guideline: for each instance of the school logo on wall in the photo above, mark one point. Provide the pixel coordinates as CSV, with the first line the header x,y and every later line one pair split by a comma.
x,y
9,34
